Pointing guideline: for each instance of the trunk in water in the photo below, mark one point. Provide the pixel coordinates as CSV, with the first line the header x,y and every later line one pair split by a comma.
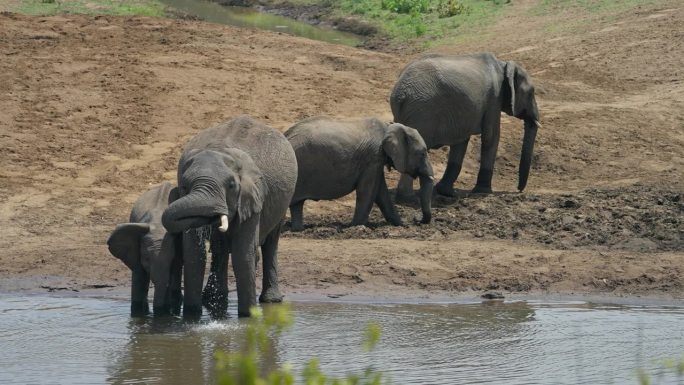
x,y
191,211
527,152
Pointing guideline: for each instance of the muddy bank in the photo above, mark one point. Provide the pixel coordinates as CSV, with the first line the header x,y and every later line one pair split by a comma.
x,y
94,110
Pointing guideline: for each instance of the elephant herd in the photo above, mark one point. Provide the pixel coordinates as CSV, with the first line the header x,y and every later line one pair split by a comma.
x,y
237,179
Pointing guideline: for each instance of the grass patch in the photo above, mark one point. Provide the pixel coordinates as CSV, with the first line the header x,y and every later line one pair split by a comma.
x,y
409,19
90,7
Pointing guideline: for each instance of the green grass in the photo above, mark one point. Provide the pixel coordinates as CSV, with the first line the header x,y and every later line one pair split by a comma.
x,y
425,23
90,7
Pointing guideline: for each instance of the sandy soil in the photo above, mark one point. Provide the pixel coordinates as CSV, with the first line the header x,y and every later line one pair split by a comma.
x,y
93,110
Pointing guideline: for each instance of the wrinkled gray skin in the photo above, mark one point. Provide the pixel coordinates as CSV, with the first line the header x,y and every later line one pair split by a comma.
x,y
337,157
449,98
151,253
246,171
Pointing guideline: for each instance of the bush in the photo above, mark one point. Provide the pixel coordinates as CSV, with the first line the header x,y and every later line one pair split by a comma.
x,y
243,368
406,6
448,8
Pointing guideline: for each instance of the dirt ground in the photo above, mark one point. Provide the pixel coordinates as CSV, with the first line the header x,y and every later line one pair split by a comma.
x,y
94,110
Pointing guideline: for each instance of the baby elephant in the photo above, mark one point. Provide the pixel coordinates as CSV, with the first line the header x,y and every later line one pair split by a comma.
x,y
151,253
337,157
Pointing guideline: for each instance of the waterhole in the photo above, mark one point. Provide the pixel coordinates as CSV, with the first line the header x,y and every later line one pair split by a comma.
x,y
84,340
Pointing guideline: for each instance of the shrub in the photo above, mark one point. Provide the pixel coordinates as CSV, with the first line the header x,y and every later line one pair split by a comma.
x,y
406,6
243,368
448,8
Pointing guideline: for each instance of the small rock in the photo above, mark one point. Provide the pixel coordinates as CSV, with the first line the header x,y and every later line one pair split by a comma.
x,y
569,204
492,295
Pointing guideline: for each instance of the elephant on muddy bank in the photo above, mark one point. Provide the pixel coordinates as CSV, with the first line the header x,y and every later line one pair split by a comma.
x,y
337,157
448,98
239,175
151,253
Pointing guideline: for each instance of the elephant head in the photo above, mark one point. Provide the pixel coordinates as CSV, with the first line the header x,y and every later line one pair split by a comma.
x,y
519,101
216,186
408,153
149,250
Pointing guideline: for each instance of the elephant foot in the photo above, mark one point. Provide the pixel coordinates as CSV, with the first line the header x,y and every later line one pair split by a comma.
x,y
446,190
297,227
481,190
140,308
271,295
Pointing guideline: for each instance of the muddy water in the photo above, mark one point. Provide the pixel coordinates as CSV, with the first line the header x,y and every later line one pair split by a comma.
x,y
72,340
247,17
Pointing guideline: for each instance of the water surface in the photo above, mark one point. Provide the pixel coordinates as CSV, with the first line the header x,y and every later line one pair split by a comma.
x,y
81,340
248,17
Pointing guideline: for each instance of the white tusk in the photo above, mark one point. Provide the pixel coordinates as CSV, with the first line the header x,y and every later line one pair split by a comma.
x,y
224,224
538,124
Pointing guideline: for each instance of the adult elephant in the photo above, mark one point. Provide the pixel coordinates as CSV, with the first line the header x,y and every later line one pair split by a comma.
x,y
448,98
241,175
150,252
336,157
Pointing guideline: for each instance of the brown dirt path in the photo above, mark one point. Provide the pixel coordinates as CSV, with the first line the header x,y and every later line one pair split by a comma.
x,y
95,109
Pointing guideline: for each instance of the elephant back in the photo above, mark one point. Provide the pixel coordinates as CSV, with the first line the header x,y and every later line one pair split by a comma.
x,y
270,151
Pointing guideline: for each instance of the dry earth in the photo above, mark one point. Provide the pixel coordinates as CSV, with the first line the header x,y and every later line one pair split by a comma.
x,y
93,110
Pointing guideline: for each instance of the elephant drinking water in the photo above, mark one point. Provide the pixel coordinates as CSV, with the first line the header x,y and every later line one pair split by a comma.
x,y
239,175
448,98
150,252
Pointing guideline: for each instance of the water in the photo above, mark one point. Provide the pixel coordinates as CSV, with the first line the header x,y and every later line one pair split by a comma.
x,y
247,17
76,340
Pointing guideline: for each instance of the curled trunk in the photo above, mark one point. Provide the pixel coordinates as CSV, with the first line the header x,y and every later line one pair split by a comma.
x,y
192,211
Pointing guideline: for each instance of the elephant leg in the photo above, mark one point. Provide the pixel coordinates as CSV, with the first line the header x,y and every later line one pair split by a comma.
x,y
194,260
488,149
366,191
175,295
215,294
297,216
456,154
140,284
384,202
243,255
405,189
270,291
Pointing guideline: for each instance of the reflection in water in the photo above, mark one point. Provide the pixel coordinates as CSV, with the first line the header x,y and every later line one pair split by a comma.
x,y
250,18
76,340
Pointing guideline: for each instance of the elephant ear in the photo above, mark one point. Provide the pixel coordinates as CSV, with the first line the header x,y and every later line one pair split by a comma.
x,y
511,70
252,186
124,243
395,145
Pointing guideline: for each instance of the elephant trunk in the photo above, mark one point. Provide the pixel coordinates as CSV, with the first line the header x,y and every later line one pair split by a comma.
x,y
527,152
427,182
196,209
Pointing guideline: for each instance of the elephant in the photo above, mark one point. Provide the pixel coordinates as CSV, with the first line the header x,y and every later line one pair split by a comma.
x,y
151,253
448,98
336,157
237,177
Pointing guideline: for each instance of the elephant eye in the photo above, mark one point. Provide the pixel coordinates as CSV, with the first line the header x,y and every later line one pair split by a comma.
x,y
231,184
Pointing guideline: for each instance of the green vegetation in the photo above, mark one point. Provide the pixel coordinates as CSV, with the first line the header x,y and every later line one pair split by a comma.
x,y
90,7
409,19
670,369
243,368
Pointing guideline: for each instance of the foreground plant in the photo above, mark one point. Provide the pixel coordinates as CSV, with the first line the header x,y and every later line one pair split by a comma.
x,y
243,368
